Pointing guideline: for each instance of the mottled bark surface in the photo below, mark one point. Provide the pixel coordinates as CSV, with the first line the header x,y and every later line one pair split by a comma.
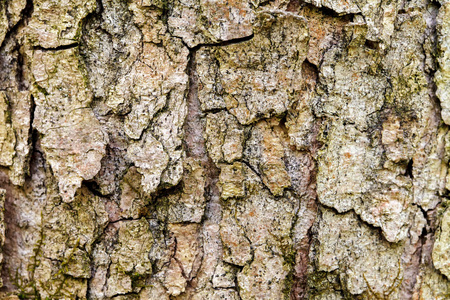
x,y
202,149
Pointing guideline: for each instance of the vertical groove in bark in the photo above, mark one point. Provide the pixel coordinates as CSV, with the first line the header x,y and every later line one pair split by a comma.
x,y
195,143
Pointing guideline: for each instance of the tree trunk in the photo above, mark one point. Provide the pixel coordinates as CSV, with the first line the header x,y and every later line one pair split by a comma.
x,y
205,149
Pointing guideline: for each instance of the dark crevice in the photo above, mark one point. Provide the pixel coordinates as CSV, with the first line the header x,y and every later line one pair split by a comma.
x,y
360,220
33,135
123,220
282,124
310,69
328,11
164,191
93,187
26,14
374,45
99,9
59,48
32,112
220,44
20,73
424,212
409,169
214,110
245,162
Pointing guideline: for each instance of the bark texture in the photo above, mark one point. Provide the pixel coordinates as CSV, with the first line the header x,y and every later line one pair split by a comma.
x,y
212,149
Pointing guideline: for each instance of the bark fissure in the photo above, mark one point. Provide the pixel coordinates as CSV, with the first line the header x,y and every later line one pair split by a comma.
x,y
25,14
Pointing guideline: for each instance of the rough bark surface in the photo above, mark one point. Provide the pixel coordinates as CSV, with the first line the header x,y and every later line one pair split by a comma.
x,y
211,149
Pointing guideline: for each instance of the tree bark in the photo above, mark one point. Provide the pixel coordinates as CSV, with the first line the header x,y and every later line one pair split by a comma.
x,y
205,149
